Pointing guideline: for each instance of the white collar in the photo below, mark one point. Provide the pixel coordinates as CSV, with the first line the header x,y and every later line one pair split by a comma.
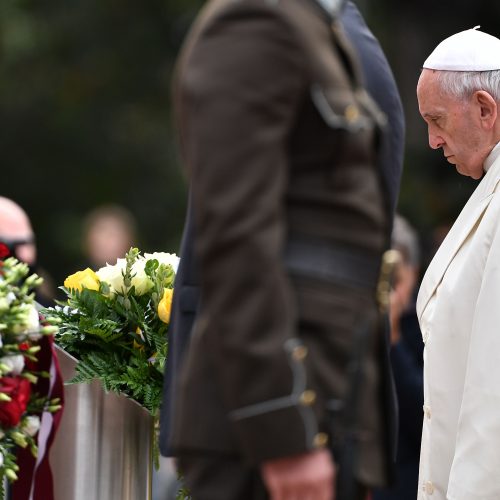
x,y
490,159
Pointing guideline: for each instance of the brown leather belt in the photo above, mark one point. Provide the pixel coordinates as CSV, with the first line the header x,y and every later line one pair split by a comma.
x,y
332,262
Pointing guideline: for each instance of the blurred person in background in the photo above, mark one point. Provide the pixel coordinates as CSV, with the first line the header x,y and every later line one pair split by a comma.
x,y
17,239
407,362
108,233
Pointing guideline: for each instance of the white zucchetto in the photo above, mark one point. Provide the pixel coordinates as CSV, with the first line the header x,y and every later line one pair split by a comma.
x,y
469,50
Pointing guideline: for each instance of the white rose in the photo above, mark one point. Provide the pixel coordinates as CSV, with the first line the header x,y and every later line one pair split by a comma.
x,y
31,425
33,321
140,279
164,258
112,275
15,363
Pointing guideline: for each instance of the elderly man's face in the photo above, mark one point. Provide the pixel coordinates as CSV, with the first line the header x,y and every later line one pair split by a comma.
x,y
452,126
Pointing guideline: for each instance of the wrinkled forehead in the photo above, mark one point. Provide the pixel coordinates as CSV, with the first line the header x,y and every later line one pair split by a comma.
x,y
428,81
429,94
432,99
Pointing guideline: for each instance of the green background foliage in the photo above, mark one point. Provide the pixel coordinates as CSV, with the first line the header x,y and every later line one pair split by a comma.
x,y
85,117
85,113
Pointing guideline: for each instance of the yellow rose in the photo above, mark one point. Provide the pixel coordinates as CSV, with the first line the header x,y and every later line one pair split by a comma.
x,y
165,305
82,279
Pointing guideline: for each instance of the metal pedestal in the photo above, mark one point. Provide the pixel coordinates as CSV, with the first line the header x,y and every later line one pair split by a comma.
x,y
102,450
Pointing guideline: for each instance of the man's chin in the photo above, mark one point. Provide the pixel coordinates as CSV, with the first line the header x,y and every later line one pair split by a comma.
x,y
461,170
469,172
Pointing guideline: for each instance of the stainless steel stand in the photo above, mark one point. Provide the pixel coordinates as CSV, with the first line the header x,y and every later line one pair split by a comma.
x,y
102,450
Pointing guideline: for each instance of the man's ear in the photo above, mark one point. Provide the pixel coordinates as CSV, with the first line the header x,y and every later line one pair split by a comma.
x,y
488,108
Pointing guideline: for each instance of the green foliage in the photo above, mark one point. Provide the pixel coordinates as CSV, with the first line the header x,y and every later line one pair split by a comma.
x,y
115,331
85,97
183,494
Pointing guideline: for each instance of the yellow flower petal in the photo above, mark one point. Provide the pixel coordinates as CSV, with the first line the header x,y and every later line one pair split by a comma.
x,y
82,279
165,305
137,345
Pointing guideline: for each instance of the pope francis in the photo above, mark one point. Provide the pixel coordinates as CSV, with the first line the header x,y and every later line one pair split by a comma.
x,y
459,300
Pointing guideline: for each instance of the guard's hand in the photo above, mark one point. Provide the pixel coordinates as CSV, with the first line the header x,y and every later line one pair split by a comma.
x,y
309,476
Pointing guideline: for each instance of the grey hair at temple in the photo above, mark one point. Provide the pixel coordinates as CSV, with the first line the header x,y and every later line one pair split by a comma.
x,y
462,84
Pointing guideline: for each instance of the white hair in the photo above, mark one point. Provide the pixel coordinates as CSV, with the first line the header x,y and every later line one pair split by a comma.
x,y
462,84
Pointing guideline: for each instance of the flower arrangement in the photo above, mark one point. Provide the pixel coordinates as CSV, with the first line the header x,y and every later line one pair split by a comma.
x,y
21,336
114,322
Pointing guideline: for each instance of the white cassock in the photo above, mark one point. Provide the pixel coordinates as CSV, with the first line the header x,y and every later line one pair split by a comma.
x,y
458,307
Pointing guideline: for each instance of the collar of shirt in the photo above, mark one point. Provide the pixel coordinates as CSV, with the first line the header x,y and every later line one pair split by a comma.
x,y
490,159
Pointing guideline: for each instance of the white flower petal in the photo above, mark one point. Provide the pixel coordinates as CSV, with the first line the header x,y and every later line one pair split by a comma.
x,y
31,425
164,258
15,363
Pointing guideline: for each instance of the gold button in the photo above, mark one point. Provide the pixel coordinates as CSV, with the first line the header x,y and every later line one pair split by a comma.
x,y
320,440
351,113
307,398
299,353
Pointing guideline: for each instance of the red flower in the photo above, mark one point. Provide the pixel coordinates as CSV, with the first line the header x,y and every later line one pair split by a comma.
x,y
19,390
30,365
4,251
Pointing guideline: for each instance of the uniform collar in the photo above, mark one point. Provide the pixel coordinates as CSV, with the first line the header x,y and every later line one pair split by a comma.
x,y
494,154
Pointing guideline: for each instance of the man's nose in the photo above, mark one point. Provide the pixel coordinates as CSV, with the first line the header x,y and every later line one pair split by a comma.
x,y
435,141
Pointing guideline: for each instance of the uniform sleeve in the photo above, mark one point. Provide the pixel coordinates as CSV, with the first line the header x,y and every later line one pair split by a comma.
x,y
476,465
243,85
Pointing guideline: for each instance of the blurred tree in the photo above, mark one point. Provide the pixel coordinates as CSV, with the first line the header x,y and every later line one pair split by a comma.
x,y
85,117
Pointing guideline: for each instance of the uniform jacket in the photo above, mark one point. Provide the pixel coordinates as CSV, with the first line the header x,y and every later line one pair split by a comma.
x,y
246,382
459,315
